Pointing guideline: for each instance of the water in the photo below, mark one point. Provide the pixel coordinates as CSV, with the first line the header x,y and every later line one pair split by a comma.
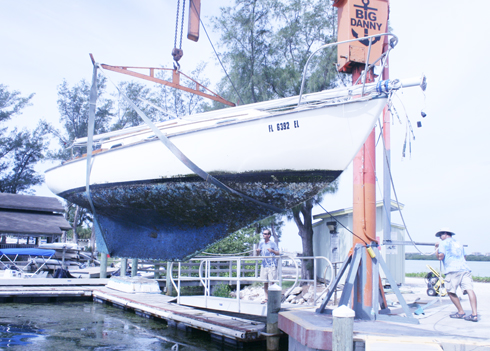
x,y
93,326
478,268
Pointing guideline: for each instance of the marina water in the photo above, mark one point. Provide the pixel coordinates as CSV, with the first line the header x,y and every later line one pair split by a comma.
x,y
478,268
93,326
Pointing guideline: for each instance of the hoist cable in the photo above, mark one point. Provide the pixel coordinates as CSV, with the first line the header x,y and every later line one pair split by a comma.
x,y
182,24
217,56
176,23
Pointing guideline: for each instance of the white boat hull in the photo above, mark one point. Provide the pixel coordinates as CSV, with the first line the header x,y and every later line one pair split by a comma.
x,y
146,199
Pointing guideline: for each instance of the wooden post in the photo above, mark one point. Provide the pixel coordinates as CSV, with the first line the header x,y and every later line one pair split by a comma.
x,y
168,277
156,271
273,308
103,265
63,258
134,267
343,329
124,267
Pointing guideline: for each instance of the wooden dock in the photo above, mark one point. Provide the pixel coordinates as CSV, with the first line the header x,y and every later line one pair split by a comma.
x,y
47,289
231,329
227,328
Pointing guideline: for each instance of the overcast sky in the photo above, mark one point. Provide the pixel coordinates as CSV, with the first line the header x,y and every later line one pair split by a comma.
x,y
442,183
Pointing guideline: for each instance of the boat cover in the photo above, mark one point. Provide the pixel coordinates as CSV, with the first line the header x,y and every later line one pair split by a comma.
x,y
28,251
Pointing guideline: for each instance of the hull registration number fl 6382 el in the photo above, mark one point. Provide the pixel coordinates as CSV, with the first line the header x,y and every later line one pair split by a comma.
x,y
283,126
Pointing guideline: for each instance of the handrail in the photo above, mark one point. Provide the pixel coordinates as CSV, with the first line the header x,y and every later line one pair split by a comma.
x,y
205,271
324,46
315,258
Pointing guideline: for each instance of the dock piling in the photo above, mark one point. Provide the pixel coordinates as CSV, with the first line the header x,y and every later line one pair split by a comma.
x,y
134,267
343,329
124,267
273,308
103,266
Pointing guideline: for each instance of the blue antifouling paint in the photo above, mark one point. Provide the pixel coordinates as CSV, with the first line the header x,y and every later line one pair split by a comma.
x,y
146,238
170,219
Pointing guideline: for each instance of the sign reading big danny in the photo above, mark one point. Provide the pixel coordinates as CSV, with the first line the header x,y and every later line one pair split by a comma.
x,y
359,19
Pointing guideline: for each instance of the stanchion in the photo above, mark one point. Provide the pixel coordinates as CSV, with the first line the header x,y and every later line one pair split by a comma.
x,y
103,265
273,308
343,329
124,267
134,267
168,279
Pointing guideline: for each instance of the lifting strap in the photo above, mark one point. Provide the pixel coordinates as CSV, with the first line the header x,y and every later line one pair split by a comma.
x,y
171,146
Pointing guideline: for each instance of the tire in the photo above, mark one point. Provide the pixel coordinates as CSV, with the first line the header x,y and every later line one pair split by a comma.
x,y
431,292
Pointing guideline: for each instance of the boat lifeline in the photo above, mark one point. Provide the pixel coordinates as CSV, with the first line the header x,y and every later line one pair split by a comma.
x,y
169,190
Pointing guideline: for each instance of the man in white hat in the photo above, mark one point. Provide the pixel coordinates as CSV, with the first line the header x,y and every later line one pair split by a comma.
x,y
452,254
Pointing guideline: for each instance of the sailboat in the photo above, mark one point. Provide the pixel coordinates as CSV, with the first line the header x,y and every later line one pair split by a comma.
x,y
169,190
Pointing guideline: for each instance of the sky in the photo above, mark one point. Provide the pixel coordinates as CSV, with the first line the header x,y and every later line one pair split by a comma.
x,y
442,182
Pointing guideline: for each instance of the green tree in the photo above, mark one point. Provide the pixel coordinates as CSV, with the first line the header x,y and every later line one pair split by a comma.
x,y
246,34
73,105
274,223
266,46
140,96
303,217
20,150
238,242
302,26
178,103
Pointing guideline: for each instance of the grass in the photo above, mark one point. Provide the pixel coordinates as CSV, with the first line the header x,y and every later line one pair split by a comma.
x,y
222,290
287,284
423,274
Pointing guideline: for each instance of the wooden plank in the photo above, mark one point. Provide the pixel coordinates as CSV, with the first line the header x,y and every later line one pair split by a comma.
x,y
31,203
158,305
5,283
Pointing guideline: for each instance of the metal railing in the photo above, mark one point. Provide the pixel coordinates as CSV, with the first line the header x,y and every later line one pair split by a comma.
x,y
241,270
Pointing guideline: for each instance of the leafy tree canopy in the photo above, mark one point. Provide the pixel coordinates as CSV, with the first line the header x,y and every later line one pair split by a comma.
x,y
239,242
20,150
266,45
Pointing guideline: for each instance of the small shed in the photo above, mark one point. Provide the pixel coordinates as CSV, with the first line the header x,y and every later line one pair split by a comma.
x,y
31,216
336,241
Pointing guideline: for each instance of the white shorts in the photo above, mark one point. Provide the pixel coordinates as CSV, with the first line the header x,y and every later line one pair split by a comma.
x,y
453,280
268,273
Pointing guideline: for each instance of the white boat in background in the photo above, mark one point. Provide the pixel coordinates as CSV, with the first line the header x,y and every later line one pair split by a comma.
x,y
270,156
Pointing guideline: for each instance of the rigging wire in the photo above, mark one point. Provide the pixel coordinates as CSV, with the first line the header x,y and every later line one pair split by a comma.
x,y
397,202
217,56
335,218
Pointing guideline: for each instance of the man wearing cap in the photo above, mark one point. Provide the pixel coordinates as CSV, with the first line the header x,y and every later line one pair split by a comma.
x,y
452,254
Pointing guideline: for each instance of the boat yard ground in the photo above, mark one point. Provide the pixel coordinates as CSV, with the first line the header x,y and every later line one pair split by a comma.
x,y
307,330
435,331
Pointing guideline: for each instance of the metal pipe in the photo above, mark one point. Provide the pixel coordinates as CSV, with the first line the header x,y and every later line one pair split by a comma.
x,y
338,43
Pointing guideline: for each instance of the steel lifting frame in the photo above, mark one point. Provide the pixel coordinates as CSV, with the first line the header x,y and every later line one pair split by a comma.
x,y
356,277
